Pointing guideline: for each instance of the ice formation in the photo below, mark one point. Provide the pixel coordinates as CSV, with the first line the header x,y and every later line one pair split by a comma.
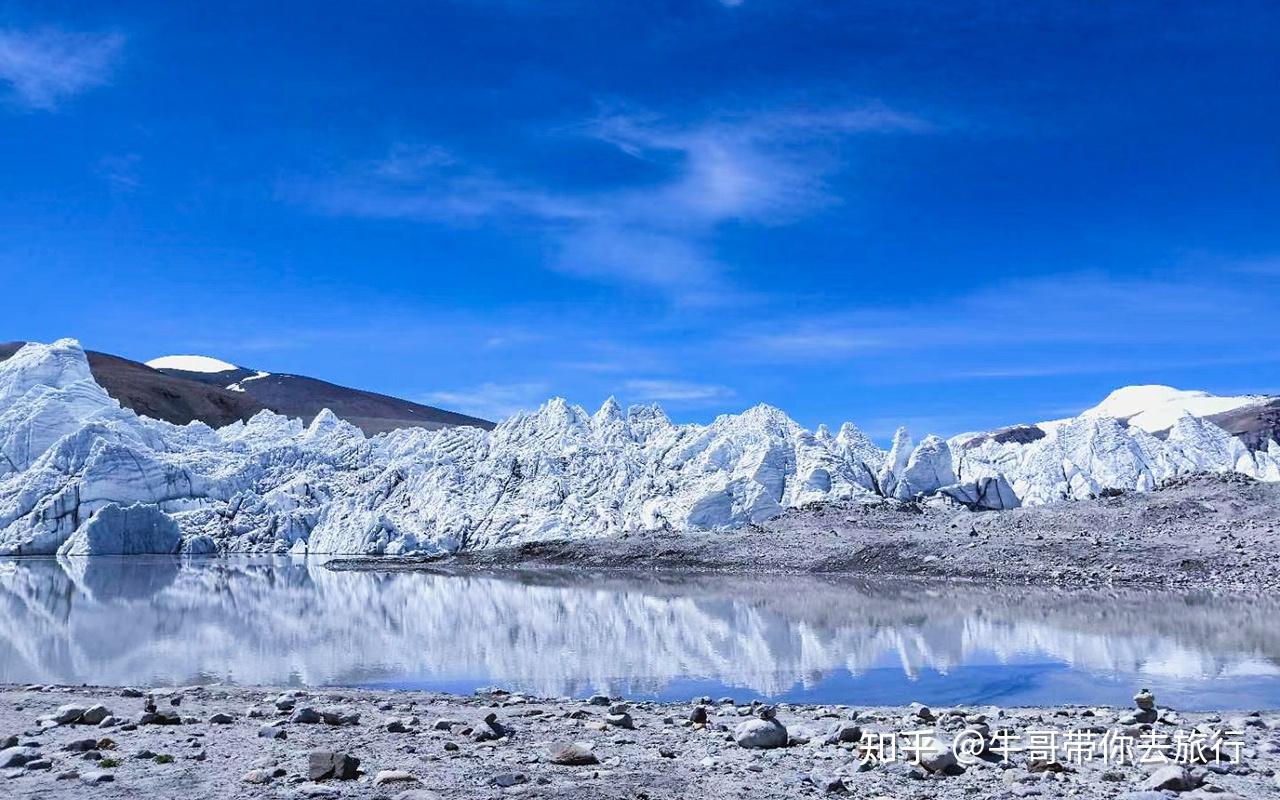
x,y
68,451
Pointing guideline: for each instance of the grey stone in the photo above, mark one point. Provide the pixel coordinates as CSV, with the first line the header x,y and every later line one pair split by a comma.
x,y
764,732
1172,777
326,764
94,715
222,719
306,716
17,756
97,777
68,714
571,754
272,732
394,776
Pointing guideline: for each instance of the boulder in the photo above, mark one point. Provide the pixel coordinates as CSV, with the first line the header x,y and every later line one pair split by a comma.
x,y
571,754
1172,778
763,732
328,764
17,756
68,714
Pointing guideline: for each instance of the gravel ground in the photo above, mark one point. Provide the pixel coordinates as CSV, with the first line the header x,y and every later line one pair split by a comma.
x,y
1212,533
417,746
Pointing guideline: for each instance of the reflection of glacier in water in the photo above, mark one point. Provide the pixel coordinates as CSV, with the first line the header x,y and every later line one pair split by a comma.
x,y
156,621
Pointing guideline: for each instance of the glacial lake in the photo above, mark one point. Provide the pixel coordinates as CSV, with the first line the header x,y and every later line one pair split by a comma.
x,y
161,621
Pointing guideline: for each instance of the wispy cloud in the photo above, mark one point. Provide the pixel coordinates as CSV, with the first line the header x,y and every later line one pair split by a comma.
x,y
657,231
44,68
1087,323
676,391
120,172
495,401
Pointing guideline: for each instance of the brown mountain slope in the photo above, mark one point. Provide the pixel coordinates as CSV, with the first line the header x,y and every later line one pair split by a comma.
x,y
152,393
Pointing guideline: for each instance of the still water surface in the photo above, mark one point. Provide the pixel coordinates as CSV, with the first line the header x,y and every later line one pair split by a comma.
x,y
158,621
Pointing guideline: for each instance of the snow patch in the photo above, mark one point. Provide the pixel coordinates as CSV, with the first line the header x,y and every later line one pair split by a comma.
x,y
191,364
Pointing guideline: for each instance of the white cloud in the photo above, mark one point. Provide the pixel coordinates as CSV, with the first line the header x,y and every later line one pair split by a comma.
x,y
44,68
494,401
763,169
675,391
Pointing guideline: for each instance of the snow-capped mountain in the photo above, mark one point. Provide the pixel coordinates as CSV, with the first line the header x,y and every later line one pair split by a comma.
x,y
68,450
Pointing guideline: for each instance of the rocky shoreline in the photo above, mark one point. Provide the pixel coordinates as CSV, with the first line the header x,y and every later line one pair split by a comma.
x,y
239,742
1218,534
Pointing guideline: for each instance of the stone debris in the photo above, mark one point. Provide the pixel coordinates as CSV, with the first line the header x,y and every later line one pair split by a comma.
x,y
785,751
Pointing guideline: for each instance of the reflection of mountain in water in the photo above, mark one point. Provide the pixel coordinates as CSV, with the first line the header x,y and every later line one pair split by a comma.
x,y
151,621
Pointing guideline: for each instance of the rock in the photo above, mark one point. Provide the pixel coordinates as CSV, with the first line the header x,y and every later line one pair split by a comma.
x,y
94,715
1172,777
97,777
398,725
571,754
941,761
115,530
394,777
160,718
8,741
272,732
222,719
258,776
39,764
598,700
698,716
844,733
506,780
285,702
306,716
490,729
764,732
826,782
327,764
666,752
81,745
1145,700
130,692
622,720
68,715
417,794
17,756
340,717
921,711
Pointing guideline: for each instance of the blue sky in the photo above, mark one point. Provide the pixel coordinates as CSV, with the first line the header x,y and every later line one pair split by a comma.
x,y
951,215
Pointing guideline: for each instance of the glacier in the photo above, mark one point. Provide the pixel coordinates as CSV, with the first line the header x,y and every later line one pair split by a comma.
x,y
68,451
